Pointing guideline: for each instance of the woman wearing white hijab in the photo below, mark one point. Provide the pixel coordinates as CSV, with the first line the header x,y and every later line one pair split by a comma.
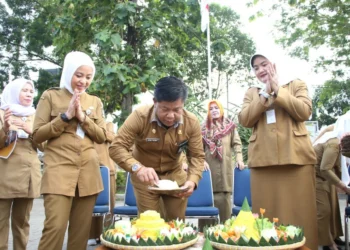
x,y
20,172
280,154
70,120
328,171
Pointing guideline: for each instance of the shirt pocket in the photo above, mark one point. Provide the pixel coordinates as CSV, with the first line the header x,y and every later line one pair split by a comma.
x,y
300,133
56,112
91,113
252,138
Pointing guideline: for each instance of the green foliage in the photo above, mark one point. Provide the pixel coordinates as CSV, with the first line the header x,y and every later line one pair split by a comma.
x,y
330,101
121,180
132,44
23,35
244,134
45,81
314,24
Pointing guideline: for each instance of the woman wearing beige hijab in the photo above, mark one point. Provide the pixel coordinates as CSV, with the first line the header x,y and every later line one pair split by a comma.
x,y
280,154
71,121
20,172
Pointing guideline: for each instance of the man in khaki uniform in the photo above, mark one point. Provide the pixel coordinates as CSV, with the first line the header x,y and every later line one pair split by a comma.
x,y
159,134
71,121
105,160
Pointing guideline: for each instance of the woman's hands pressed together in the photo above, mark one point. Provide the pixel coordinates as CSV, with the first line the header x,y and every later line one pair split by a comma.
x,y
272,84
74,108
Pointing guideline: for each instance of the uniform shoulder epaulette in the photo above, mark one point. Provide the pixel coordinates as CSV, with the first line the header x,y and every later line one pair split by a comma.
x,y
54,88
93,94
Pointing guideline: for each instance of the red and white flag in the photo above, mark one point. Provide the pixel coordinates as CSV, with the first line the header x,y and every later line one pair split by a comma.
x,y
204,13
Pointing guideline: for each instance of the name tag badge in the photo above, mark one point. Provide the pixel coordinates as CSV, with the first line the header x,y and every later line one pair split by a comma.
x,y
270,116
80,132
152,139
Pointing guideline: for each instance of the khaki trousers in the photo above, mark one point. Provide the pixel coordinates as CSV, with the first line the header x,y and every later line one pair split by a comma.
x,y
328,214
170,207
59,210
222,200
19,208
97,222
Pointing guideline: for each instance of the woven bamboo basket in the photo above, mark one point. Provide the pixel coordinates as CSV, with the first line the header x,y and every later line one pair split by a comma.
x,y
284,247
165,247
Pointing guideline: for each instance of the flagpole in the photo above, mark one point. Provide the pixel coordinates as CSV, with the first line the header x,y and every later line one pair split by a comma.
x,y
209,62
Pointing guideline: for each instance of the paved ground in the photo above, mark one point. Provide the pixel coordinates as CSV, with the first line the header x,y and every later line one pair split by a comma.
x,y
37,219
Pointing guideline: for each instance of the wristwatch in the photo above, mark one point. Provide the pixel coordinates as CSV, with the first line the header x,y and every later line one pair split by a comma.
x,y
135,167
64,117
264,94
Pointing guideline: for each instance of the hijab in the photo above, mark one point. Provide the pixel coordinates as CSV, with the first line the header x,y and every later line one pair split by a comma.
x,y
214,131
341,126
72,62
282,79
10,98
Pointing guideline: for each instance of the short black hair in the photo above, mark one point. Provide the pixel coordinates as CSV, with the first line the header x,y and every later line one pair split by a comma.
x,y
170,89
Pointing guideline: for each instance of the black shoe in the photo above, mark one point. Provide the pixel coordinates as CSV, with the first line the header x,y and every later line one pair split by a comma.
x,y
339,242
328,248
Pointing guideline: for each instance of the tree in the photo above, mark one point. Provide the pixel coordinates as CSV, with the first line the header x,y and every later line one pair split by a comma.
x,y
323,25
134,44
330,101
23,37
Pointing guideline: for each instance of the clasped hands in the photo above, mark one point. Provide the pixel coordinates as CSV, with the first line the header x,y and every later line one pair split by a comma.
x,y
149,175
74,108
272,84
20,124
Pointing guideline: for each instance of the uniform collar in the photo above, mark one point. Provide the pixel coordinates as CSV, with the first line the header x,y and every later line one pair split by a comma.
x,y
154,118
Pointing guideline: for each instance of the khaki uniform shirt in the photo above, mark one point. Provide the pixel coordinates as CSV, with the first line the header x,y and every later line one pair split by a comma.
x,y
328,168
158,147
286,141
69,161
20,173
222,171
102,150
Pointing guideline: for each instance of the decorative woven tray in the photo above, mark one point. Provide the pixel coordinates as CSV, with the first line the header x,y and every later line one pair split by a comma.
x,y
177,246
283,247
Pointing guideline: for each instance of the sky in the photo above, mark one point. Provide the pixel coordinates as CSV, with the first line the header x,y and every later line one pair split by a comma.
x,y
260,32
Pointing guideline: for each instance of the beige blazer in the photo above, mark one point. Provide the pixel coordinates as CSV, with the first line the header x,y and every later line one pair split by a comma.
x,y
158,147
69,161
285,142
20,174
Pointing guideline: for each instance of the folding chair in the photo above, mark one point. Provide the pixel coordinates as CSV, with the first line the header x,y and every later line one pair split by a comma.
x,y
241,189
129,209
102,205
200,204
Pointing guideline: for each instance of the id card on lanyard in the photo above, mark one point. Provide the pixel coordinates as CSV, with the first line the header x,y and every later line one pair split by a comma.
x,y
270,116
